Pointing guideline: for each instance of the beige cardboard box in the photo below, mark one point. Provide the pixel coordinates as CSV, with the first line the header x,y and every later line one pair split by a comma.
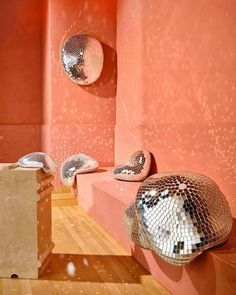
x,y
25,221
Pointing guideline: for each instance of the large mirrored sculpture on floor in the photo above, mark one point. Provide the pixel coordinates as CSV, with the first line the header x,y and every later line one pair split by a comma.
x,y
136,168
38,160
178,215
82,59
76,164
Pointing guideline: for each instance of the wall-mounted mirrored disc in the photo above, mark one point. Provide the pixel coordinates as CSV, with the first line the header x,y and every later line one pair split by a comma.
x,y
82,59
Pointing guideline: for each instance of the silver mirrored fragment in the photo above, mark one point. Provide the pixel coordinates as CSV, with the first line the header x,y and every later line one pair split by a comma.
x,y
136,168
38,160
76,164
82,59
178,215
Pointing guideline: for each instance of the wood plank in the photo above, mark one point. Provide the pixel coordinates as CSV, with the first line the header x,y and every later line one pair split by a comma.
x,y
62,196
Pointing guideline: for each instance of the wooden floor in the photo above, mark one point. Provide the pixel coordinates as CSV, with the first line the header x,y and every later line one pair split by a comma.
x,y
86,260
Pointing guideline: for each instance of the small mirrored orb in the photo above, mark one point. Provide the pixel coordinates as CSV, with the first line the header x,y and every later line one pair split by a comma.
x,y
38,160
136,168
76,164
82,59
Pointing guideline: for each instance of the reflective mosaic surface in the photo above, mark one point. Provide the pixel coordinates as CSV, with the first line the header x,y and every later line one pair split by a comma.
x,y
82,59
178,215
76,164
136,168
38,160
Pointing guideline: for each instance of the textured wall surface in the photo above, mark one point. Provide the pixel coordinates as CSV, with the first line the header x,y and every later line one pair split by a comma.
x,y
40,108
80,119
176,96
21,78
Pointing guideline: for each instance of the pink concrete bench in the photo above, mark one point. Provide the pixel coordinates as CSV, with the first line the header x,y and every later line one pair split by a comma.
x,y
106,199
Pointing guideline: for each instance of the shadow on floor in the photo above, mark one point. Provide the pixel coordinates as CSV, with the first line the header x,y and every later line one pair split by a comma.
x,y
94,268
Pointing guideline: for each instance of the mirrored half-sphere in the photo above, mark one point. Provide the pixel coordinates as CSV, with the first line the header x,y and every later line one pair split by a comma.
x,y
178,215
76,164
38,160
82,59
136,168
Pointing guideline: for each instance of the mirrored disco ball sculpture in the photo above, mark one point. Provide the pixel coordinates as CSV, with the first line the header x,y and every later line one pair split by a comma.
x,y
76,164
136,168
38,160
82,59
178,215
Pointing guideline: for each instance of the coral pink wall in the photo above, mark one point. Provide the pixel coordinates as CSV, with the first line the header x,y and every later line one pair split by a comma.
x,y
176,92
40,108
21,78
79,119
